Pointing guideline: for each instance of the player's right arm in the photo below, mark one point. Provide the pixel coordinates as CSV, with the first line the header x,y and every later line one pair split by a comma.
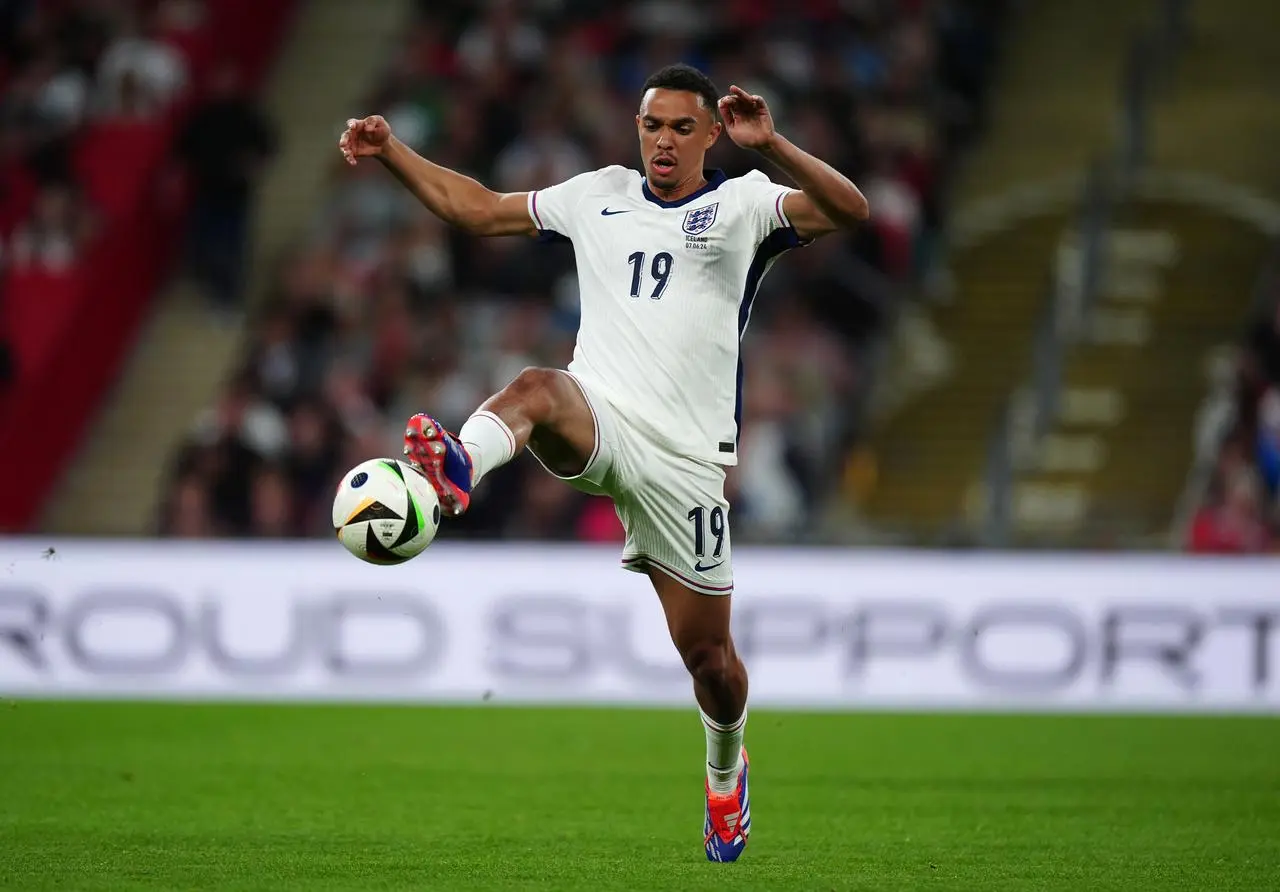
x,y
453,197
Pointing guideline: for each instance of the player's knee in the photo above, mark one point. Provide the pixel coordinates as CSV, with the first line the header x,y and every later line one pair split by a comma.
x,y
708,661
533,378
532,381
535,390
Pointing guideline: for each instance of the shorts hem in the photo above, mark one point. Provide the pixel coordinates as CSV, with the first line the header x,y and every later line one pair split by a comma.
x,y
638,563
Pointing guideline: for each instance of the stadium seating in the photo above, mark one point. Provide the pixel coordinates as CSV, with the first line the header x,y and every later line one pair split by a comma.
x,y
71,327
1176,281
933,451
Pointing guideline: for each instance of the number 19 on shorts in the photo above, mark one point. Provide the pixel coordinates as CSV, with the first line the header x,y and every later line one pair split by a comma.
x,y
704,522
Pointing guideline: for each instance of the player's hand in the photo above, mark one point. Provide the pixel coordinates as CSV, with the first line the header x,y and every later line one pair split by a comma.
x,y
364,138
746,119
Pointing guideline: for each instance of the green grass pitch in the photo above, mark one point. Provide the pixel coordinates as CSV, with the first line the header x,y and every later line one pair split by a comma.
x,y
149,796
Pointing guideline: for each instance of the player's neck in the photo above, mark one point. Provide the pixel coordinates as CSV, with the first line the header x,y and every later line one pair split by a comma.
x,y
681,190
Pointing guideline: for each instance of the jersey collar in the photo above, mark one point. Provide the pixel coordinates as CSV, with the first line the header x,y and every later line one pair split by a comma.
x,y
714,178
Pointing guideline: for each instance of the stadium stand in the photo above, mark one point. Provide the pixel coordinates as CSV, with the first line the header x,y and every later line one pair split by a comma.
x,y
1110,391
381,312
92,210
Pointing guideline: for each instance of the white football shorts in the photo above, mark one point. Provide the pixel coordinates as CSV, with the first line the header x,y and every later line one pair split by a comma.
x,y
672,506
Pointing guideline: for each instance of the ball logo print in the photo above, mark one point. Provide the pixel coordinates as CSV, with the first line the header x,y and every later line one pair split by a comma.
x,y
392,518
700,220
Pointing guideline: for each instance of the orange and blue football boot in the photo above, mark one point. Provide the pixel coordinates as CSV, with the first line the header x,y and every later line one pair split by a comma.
x,y
728,820
443,461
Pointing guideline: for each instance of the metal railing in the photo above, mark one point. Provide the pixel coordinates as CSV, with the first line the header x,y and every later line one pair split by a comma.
x,y
1150,60
1030,411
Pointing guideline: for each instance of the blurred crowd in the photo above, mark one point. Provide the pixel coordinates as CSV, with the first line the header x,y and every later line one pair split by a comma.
x,y
1241,512
63,65
91,93
381,311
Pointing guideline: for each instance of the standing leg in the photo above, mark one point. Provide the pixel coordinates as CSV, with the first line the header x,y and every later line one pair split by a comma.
x,y
699,626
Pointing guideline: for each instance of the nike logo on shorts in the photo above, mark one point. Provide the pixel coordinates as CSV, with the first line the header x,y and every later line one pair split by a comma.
x,y
701,569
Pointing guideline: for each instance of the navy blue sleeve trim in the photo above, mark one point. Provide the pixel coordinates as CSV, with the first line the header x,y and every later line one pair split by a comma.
x,y
786,238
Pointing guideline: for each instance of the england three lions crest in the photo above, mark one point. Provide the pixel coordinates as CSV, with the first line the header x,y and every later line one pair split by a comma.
x,y
699,220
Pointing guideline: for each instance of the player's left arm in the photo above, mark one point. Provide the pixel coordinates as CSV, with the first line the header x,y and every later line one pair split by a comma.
x,y
827,200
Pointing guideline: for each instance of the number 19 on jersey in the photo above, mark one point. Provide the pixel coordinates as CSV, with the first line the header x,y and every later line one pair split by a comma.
x,y
659,271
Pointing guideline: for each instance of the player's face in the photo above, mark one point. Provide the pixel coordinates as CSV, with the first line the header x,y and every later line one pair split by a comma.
x,y
675,132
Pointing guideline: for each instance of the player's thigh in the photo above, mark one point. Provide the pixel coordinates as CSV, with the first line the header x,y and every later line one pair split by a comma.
x,y
572,439
677,521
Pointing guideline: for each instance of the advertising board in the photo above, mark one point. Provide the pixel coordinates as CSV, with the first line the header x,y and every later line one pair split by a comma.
x,y
827,629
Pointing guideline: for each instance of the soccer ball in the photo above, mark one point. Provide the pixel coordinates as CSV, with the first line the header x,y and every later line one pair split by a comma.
x,y
385,511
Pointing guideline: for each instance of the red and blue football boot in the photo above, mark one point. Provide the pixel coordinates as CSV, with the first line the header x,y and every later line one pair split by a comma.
x,y
728,821
443,461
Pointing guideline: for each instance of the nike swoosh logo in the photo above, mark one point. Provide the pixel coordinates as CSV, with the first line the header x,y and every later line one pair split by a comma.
x,y
701,569
608,213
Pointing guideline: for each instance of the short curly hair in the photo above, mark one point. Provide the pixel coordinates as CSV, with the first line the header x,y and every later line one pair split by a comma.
x,y
688,79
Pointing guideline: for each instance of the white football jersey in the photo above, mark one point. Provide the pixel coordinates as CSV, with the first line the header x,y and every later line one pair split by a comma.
x,y
666,290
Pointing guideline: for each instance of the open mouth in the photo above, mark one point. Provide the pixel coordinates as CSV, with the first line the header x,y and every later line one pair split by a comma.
x,y
664,165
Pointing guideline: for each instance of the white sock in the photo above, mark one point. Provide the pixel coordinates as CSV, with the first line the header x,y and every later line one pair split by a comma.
x,y
724,752
488,441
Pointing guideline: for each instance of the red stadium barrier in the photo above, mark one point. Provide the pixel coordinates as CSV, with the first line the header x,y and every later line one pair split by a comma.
x,y
70,332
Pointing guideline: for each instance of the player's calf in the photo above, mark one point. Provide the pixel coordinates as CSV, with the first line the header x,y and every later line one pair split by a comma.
x,y
546,410
720,684
716,671
719,676
540,405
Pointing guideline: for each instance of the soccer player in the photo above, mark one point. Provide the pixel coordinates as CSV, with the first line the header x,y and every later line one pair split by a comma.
x,y
648,411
